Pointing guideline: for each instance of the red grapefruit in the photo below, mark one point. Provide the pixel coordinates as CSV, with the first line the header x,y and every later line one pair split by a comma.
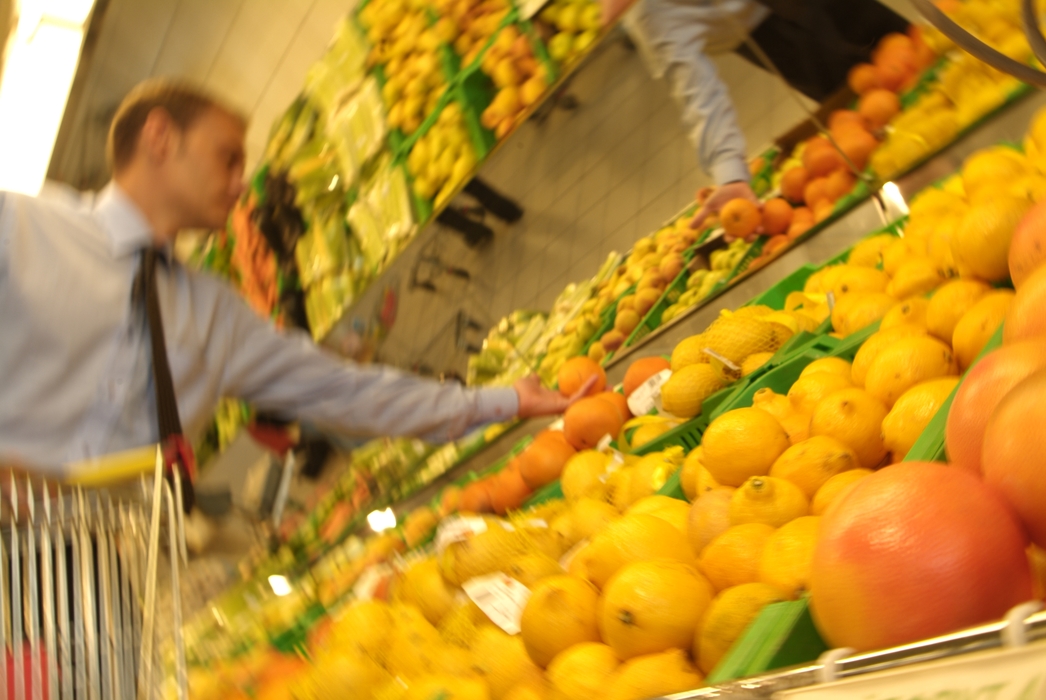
x,y
916,550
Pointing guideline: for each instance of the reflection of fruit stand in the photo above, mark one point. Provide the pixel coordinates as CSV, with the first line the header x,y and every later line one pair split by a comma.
x,y
752,472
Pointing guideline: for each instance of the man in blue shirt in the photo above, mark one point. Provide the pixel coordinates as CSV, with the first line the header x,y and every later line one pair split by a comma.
x,y
75,357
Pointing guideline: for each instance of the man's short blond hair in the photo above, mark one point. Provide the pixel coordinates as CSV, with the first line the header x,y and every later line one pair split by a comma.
x,y
184,103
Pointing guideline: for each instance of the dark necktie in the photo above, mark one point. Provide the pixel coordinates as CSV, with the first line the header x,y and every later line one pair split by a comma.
x,y
176,449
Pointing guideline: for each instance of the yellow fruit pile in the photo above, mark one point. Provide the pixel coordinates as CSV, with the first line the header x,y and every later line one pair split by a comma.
x,y
576,23
443,158
407,48
468,24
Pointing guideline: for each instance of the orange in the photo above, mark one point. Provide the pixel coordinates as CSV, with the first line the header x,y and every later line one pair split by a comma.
x,y
777,216
893,74
641,370
618,401
953,557
1014,445
475,498
823,209
821,158
858,145
878,107
815,192
740,218
839,184
981,390
588,420
841,120
449,500
1028,245
543,460
508,490
802,221
576,371
1025,318
793,182
733,558
862,78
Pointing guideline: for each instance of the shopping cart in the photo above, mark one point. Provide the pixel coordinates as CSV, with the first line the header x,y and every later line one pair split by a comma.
x,y
79,572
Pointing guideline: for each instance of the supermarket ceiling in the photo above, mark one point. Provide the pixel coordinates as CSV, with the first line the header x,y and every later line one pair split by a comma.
x,y
254,53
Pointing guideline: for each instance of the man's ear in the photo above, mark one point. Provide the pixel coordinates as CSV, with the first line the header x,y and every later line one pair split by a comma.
x,y
158,136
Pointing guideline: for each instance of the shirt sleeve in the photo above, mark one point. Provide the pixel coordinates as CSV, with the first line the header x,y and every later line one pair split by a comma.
x,y
674,36
287,373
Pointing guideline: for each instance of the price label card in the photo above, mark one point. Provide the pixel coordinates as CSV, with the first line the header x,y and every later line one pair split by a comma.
x,y
1005,674
831,302
568,557
501,597
556,425
647,396
457,529
724,361
604,442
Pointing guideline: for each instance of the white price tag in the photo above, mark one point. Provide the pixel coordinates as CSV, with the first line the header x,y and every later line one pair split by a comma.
x,y
501,597
647,396
557,425
604,442
1003,674
456,529
719,358
831,301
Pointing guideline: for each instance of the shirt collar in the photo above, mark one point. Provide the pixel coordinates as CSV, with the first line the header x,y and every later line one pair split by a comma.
x,y
125,225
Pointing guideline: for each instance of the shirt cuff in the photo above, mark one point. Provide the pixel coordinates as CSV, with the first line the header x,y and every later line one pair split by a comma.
x,y
496,405
730,170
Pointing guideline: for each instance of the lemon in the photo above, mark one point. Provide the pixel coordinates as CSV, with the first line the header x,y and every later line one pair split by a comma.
x,y
343,669
978,325
650,474
912,412
742,443
754,362
855,311
705,482
908,311
981,244
562,611
836,488
735,337
635,537
851,279
654,675
590,515
581,672
797,426
789,553
894,255
528,569
917,275
868,252
853,417
727,618
950,303
990,166
447,687
651,606
688,474
527,692
932,202
684,391
875,344
906,363
581,475
671,510
831,365
423,587
502,661
776,405
709,517
648,432
768,500
807,391
812,462
733,557
689,351
365,626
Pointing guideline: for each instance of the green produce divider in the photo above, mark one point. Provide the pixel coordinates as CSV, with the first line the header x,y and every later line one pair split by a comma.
x,y
783,634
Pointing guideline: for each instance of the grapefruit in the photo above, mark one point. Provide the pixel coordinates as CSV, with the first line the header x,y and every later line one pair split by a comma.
x,y
1025,319
916,550
984,387
1028,245
1014,453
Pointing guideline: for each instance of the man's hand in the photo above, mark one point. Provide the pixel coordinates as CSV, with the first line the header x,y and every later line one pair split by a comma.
x,y
722,195
612,9
536,400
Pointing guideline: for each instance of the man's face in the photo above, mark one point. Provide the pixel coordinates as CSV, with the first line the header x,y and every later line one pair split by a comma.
x,y
204,170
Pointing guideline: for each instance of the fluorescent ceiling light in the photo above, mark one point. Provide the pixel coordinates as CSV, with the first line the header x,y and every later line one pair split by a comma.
x,y
38,74
280,585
